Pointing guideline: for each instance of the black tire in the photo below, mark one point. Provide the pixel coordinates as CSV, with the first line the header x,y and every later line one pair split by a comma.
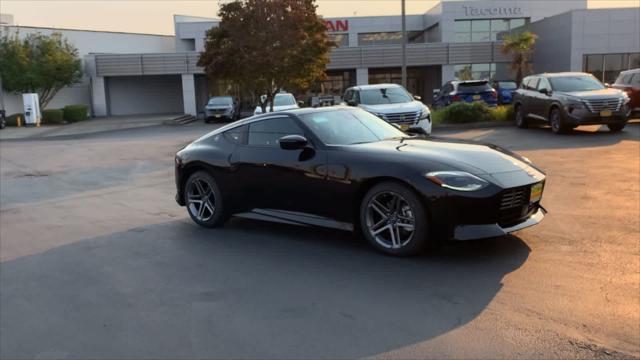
x,y
213,213
616,127
556,121
521,120
395,224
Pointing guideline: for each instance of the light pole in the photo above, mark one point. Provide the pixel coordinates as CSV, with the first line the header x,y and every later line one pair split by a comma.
x,y
404,47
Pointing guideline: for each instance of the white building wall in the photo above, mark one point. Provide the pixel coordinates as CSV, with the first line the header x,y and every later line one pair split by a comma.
x,y
88,42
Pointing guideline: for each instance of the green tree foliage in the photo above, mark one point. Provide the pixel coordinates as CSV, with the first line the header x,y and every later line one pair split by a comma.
x,y
521,47
38,64
267,45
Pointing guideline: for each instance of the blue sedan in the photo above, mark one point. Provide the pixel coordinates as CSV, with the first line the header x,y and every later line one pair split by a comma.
x,y
505,90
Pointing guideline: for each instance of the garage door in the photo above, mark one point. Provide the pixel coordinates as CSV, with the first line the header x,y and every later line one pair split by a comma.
x,y
136,95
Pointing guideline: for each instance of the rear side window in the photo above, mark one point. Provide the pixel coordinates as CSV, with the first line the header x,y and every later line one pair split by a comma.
x,y
635,80
473,87
267,132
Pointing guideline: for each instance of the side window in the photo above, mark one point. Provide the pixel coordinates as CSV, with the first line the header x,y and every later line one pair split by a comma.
x,y
543,84
237,135
268,131
356,96
447,89
635,80
525,83
347,95
533,84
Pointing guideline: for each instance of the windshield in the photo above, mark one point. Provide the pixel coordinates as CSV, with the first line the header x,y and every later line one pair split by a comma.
x,y
349,126
575,83
507,85
284,100
223,100
474,87
392,95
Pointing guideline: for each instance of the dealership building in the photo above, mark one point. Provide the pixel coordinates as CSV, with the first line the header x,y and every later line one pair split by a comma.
x,y
127,74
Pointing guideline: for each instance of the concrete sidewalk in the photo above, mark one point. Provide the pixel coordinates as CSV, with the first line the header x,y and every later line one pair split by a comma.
x,y
93,125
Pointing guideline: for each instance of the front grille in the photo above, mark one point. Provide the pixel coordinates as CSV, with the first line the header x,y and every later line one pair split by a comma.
x,y
597,105
403,118
217,111
514,205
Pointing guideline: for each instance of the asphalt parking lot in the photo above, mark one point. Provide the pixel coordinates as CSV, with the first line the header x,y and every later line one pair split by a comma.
x,y
98,261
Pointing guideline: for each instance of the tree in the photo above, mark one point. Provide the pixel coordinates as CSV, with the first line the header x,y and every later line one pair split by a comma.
x,y
465,73
267,45
521,47
38,64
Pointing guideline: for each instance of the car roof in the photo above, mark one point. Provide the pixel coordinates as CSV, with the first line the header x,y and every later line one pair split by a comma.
x,y
375,86
458,82
631,71
561,74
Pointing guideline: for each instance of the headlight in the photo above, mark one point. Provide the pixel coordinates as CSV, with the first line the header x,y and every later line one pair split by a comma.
x,y
424,114
457,180
625,99
575,104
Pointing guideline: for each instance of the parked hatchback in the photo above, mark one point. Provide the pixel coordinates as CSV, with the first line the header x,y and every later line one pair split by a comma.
x,y
393,104
567,100
629,82
221,107
466,91
504,89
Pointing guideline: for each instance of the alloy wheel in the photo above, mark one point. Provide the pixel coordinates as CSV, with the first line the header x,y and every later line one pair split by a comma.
x,y
555,121
201,199
390,220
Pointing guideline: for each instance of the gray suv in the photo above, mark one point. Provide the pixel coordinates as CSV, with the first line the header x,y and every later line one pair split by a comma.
x,y
567,100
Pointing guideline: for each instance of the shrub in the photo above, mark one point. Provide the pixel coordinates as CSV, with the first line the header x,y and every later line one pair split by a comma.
x,y
74,113
52,116
12,120
463,112
502,113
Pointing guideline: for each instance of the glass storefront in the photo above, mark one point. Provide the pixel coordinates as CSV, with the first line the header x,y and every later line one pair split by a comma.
x,y
488,71
390,38
341,40
420,80
606,67
487,30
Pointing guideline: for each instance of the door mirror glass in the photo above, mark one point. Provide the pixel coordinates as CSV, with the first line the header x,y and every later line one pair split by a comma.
x,y
351,103
417,97
300,103
545,91
293,142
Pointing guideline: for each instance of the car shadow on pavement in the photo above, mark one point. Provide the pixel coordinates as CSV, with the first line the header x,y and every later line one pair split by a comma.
x,y
247,290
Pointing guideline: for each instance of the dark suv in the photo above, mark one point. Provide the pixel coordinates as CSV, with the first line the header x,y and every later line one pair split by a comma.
x,y
567,100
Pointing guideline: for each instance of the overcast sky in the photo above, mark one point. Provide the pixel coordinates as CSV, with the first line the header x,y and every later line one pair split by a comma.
x,y
155,16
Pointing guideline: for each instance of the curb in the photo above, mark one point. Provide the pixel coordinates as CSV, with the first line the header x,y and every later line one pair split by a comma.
x,y
478,125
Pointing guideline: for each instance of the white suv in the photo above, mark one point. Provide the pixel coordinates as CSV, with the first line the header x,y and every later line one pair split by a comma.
x,y
281,101
391,103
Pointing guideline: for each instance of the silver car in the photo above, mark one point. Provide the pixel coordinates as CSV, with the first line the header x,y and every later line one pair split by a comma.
x,y
391,103
222,108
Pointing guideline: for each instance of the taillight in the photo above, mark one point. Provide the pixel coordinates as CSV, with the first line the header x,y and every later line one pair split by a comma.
x,y
494,94
455,97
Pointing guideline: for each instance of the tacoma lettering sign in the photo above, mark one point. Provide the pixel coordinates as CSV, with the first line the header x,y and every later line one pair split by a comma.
x,y
492,11
337,25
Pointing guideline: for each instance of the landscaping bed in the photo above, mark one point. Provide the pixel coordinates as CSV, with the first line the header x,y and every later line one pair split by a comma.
x,y
465,113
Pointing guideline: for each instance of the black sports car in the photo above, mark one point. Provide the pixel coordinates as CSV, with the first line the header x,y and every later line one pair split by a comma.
x,y
405,193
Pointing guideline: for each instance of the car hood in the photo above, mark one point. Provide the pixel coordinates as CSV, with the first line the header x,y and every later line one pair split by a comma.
x,y
595,93
277,108
394,108
489,160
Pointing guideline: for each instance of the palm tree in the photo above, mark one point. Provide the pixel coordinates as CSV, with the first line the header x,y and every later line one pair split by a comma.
x,y
520,46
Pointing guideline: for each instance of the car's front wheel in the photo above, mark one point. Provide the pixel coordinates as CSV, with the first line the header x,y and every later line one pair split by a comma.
x,y
393,219
557,122
204,200
521,120
615,127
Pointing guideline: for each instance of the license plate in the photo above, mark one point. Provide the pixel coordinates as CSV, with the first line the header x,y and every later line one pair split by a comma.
x,y
404,127
605,113
477,97
536,193
218,116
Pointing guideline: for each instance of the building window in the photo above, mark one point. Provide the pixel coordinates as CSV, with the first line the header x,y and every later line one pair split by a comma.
x,y
606,67
389,38
488,71
341,40
487,30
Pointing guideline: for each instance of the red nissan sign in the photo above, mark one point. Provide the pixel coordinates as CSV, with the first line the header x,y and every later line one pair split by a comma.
x,y
337,25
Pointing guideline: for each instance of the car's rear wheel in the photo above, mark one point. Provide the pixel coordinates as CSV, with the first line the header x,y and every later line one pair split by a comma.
x,y
557,122
615,127
521,120
393,219
204,200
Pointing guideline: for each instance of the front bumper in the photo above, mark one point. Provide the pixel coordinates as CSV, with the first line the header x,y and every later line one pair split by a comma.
x,y
586,117
472,232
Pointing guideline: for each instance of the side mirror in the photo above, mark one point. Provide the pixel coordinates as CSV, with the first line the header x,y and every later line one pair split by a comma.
x,y
301,103
351,103
293,142
419,98
545,91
